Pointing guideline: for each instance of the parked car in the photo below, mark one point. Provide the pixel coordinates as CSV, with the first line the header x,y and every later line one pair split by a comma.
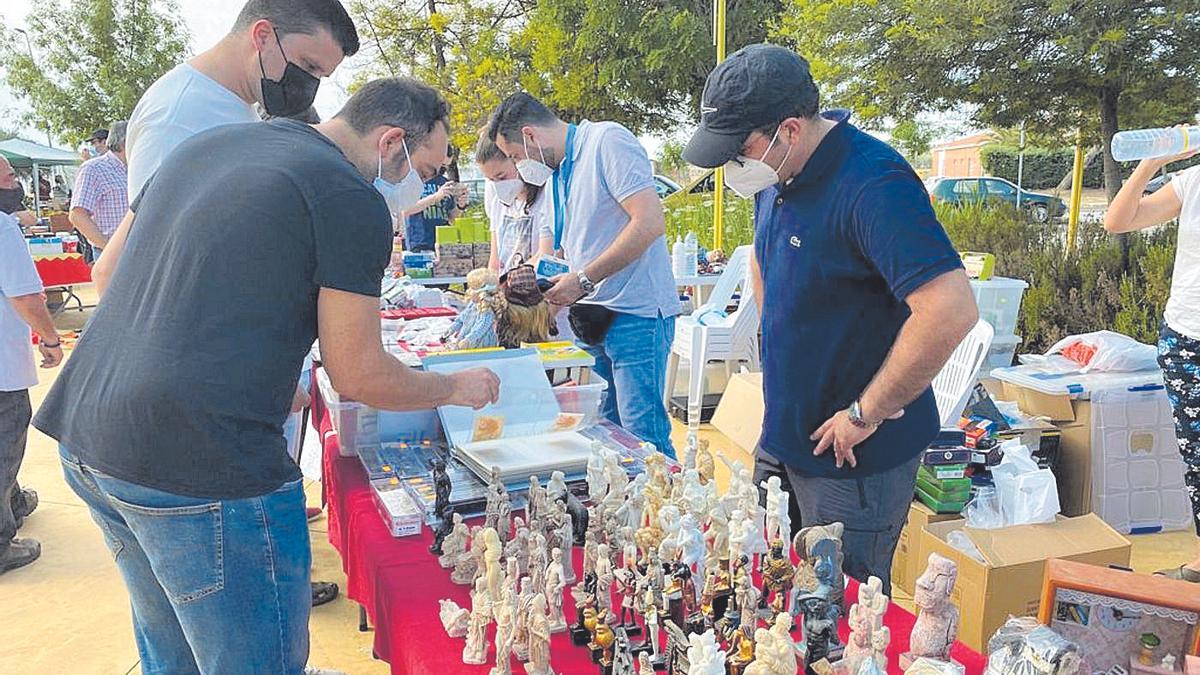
x,y
664,186
1156,183
1041,206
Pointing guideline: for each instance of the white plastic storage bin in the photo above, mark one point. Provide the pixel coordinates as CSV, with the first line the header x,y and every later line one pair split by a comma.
x,y
1001,353
1137,472
357,425
999,301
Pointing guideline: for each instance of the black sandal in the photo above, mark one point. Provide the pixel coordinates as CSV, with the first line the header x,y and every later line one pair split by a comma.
x,y
323,592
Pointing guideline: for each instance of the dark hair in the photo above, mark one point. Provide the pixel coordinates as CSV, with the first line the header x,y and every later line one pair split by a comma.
x,y
116,136
401,102
519,110
303,16
486,151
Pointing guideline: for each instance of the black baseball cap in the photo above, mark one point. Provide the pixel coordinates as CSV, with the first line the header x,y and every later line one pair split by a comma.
x,y
99,135
757,86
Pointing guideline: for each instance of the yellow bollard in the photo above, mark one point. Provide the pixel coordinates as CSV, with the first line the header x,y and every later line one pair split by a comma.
x,y
1076,193
719,174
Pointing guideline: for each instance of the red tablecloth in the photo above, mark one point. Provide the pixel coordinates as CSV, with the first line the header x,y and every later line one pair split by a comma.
x,y
399,583
67,269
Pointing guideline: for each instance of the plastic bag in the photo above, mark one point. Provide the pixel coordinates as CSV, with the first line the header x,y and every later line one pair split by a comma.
x,y
959,540
1027,494
1107,352
983,511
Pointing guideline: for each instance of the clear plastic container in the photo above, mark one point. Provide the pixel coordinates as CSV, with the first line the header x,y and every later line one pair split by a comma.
x,y
584,399
999,301
1150,143
356,424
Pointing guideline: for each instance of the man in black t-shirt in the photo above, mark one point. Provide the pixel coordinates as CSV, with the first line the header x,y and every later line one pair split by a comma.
x,y
249,242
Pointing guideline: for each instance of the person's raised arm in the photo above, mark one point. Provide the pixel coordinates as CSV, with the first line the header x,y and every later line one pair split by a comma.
x,y
360,369
1130,211
106,266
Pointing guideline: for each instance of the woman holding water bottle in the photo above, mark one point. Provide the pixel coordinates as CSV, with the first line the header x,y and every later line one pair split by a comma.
x,y
1179,343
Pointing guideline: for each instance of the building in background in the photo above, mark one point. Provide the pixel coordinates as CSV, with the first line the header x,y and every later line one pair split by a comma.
x,y
960,157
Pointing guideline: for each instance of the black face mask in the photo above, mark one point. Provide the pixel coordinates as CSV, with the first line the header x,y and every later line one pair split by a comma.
x,y
293,93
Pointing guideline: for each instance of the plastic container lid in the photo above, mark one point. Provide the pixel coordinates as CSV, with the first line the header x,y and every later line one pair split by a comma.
x,y
1076,383
1000,282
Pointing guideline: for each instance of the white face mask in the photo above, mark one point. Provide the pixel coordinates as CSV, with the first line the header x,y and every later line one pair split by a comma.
x,y
532,171
508,190
401,196
747,177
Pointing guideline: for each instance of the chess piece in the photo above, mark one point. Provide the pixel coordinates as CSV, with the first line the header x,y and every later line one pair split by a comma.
x,y
476,649
521,626
454,618
937,618
441,486
555,585
466,564
705,656
455,543
539,638
505,616
807,538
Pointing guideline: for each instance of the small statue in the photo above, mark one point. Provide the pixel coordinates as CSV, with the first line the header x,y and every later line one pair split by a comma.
x,y
779,519
466,564
622,659
505,615
705,656
521,627
862,628
645,666
937,619
539,638
455,542
777,575
824,553
820,627
627,582
807,538
597,478
704,463
881,637
1168,662
476,649
741,649
441,486
455,619
537,560
604,577
554,588
504,517
603,638
492,551
651,600
688,460
691,548
517,548
566,531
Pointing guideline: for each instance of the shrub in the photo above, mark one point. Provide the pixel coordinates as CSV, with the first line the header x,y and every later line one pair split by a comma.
x,y
1045,168
695,214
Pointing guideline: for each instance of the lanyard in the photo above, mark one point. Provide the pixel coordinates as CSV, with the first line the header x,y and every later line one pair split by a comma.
x,y
562,184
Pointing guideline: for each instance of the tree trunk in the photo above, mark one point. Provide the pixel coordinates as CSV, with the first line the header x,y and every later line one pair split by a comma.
x,y
1088,158
1109,96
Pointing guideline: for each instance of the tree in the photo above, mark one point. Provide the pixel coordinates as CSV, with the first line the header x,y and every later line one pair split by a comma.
x,y
638,62
1057,64
912,139
670,159
91,60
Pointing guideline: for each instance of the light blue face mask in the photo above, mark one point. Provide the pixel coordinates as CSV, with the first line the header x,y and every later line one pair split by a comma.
x,y
400,197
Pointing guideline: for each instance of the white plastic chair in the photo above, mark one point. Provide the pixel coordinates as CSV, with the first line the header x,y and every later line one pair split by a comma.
x,y
952,386
705,335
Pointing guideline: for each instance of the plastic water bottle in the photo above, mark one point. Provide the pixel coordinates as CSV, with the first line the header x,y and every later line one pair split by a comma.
x,y
679,258
692,247
1152,143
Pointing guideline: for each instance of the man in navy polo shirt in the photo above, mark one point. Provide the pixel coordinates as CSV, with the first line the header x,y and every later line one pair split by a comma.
x,y
863,298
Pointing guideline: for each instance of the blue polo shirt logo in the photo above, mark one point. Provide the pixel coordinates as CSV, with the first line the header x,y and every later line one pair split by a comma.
x,y
830,317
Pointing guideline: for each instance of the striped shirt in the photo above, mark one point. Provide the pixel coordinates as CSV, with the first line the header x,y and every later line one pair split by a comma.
x,y
100,189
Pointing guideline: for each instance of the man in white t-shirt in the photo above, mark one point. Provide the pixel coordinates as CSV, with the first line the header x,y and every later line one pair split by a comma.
x,y
275,55
1179,339
609,223
22,306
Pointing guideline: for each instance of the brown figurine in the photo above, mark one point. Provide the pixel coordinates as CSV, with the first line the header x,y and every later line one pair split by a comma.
x,y
777,576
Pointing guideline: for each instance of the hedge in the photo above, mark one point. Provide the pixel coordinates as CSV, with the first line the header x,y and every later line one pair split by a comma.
x,y
1045,168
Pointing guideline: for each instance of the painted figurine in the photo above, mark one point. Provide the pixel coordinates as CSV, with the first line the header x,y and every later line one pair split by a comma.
x,y
820,626
807,538
776,576
937,619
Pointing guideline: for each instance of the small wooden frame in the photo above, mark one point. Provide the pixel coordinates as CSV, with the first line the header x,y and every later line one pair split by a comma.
x,y
1089,600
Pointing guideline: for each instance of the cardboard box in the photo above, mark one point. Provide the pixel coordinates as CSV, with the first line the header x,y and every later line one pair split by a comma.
x,y
1010,582
449,251
909,559
1073,418
739,415
453,268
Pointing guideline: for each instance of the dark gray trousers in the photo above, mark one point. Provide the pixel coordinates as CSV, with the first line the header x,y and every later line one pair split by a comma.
x,y
15,413
873,508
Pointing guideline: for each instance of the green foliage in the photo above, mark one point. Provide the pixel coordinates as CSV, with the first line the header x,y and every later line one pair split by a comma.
x,y
1054,63
695,214
670,160
1045,168
1084,291
912,139
92,59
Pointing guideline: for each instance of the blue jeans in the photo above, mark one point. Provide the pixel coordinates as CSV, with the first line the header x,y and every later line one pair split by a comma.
x,y
216,586
633,360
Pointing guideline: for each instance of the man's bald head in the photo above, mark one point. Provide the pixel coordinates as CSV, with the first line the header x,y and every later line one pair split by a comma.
x,y
8,177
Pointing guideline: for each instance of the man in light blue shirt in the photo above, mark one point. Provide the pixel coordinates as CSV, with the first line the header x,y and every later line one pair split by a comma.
x,y
609,225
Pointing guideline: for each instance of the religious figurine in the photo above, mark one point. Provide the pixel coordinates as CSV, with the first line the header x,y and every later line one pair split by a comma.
x,y
520,646
705,656
466,564
704,463
505,615
476,649
604,577
539,638
937,618
627,583
455,542
441,486
454,618
777,576
555,585
808,537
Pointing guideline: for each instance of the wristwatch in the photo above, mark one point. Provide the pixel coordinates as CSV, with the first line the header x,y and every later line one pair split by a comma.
x,y
855,413
585,283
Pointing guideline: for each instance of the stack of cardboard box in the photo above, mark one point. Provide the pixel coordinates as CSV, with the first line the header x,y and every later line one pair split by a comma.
x,y
454,260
